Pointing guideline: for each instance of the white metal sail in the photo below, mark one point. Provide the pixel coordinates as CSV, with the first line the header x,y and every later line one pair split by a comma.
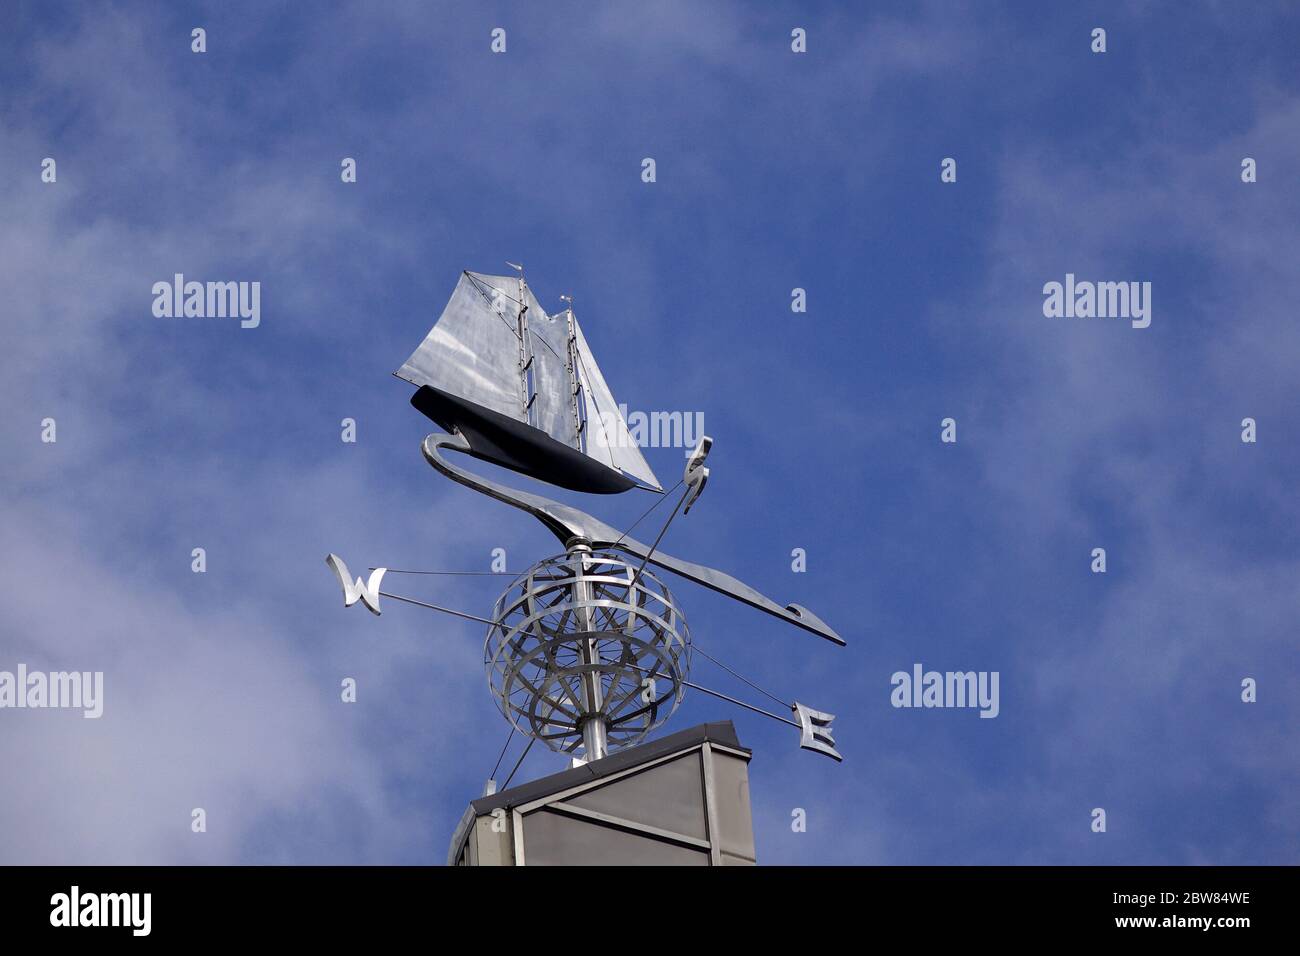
x,y
609,441
472,350
495,346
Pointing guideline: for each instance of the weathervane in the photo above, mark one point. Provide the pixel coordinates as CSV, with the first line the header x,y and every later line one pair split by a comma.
x,y
587,650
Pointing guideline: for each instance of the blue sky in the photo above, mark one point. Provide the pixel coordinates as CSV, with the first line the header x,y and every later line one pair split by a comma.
x,y
774,171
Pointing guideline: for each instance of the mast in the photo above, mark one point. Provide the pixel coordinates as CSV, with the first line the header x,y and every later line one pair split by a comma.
x,y
575,387
527,377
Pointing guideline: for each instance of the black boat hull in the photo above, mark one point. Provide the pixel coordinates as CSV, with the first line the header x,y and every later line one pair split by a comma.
x,y
501,440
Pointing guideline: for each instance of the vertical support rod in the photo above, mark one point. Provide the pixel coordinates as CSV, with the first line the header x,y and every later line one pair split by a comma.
x,y
593,725
579,424
527,391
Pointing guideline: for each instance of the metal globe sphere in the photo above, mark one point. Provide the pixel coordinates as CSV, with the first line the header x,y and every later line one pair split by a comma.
x,y
586,652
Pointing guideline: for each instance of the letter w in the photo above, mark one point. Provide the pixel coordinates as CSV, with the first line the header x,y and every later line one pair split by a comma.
x,y
352,590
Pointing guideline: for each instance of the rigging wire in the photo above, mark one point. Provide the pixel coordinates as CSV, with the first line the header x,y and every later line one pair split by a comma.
x,y
696,647
531,741
493,774
662,531
722,696
486,298
435,607
741,703
514,331
645,514
471,573
475,277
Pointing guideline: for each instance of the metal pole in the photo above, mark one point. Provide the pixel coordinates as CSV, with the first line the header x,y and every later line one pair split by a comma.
x,y
578,425
593,723
526,374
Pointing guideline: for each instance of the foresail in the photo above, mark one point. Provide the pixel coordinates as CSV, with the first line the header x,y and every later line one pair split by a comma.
x,y
472,351
608,439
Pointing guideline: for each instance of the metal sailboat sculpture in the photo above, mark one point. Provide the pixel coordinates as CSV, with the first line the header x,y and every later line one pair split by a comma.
x,y
587,649
524,389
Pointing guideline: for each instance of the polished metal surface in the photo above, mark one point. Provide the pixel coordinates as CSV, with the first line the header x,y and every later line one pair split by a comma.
x,y
367,591
696,476
567,523
584,653
608,439
473,350
577,401
594,727
494,345
816,730
527,377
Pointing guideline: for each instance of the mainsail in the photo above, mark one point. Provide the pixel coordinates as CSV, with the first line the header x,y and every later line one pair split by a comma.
x,y
495,347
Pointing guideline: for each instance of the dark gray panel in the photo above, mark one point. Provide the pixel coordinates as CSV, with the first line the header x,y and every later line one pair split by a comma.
x,y
669,797
722,732
731,790
551,839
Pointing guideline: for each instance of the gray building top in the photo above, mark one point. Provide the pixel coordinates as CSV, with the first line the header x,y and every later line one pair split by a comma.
x,y
664,801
